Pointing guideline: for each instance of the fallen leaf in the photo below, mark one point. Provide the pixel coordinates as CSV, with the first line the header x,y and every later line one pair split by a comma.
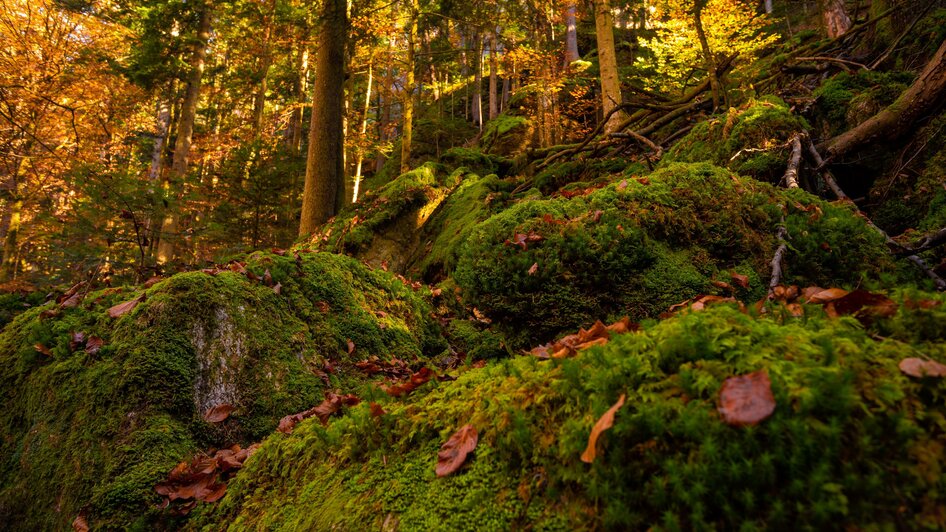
x,y
597,215
740,280
604,423
415,381
376,410
534,268
865,304
351,347
919,368
323,306
747,399
436,292
826,296
267,278
123,308
94,344
453,453
42,349
153,281
278,288
218,413
77,340
79,524
622,185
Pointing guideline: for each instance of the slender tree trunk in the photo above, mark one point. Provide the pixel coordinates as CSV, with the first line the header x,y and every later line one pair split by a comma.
x,y
324,161
265,60
11,239
163,122
185,133
708,59
385,102
918,102
607,63
364,129
477,105
493,76
409,89
768,7
300,74
571,33
836,20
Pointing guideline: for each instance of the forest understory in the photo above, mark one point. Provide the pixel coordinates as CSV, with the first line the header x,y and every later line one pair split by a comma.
x,y
691,279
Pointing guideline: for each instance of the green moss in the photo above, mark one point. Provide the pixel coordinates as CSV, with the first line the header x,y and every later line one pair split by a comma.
x,y
638,248
751,140
583,172
507,134
847,426
846,100
95,432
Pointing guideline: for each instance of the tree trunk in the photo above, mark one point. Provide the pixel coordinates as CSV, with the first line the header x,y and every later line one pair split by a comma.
x,y
265,60
836,20
408,130
607,63
709,60
477,105
916,103
324,172
571,33
10,240
493,76
768,7
364,129
185,133
300,74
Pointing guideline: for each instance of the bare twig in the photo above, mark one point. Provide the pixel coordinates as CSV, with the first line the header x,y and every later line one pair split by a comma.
x,y
791,174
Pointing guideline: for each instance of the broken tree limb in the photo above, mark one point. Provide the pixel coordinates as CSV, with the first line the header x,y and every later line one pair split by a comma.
x,y
894,246
926,242
844,63
916,103
776,263
791,173
658,151
572,151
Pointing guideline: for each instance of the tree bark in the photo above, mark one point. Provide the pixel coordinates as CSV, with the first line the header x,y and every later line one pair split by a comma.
x,y
325,172
477,104
408,130
916,103
571,33
265,61
493,76
300,74
364,129
836,20
11,239
708,58
607,63
185,133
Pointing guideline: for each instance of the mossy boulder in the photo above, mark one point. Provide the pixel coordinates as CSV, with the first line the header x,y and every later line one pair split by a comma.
x,y
852,443
847,99
584,172
93,432
751,140
508,135
642,244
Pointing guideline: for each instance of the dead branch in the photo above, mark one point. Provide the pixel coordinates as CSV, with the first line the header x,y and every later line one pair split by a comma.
x,y
658,151
791,173
776,263
925,243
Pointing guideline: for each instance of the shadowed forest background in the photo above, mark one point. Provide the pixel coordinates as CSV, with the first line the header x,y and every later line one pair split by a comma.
x,y
540,264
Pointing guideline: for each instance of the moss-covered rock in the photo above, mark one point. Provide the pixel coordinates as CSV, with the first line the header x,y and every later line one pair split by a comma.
x,y
508,134
751,140
853,443
584,171
637,246
92,433
847,99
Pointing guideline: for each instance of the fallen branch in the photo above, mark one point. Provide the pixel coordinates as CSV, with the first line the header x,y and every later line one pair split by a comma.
x,y
825,59
895,247
776,263
926,242
791,173
658,151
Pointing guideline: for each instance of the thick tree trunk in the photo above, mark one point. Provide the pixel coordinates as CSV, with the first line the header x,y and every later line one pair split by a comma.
x,y
11,239
836,20
916,103
185,133
163,122
407,131
607,63
571,33
493,76
324,172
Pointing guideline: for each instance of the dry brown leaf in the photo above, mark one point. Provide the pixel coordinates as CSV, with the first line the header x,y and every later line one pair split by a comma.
x,y
604,423
123,308
218,413
80,524
747,399
453,453
919,368
826,296
94,344
740,280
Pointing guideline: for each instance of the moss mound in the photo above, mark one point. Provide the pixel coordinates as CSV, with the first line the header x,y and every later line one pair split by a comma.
x,y
507,135
751,140
853,443
581,171
847,99
93,432
638,246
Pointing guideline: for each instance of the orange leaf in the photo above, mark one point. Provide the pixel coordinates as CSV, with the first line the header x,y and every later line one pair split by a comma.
x,y
453,453
604,423
741,280
746,400
827,296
